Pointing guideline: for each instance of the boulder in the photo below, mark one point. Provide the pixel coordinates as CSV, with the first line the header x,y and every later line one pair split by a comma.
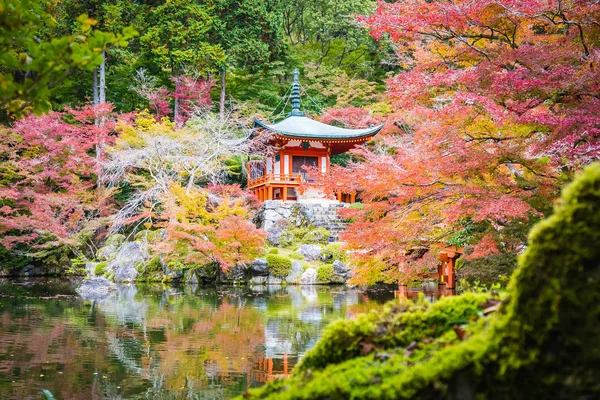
x,y
237,273
310,252
28,270
259,267
274,280
107,252
124,263
309,277
190,277
296,272
258,280
96,289
90,268
174,274
341,271
274,232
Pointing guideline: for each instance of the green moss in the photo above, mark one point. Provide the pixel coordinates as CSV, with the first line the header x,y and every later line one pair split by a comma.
x,y
325,273
286,239
100,268
148,235
294,255
317,236
274,251
154,265
334,252
279,265
115,240
544,342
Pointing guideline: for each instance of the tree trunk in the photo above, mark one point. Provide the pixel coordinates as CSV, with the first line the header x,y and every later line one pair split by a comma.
x,y
176,107
96,100
222,98
103,79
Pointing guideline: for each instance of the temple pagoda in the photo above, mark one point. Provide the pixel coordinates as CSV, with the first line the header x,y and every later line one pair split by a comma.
x,y
301,142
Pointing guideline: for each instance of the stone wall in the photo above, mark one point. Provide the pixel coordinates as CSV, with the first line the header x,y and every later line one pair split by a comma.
x,y
320,215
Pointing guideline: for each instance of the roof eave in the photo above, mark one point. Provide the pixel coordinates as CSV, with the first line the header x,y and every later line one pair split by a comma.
x,y
371,132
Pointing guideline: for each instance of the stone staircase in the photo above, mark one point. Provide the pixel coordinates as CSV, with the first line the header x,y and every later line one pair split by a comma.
x,y
325,215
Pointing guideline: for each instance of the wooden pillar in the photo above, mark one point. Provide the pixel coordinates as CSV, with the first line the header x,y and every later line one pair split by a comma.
x,y
402,292
285,364
450,270
353,198
339,195
270,368
284,194
270,192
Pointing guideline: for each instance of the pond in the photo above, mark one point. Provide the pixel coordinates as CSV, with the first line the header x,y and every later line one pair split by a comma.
x,y
161,342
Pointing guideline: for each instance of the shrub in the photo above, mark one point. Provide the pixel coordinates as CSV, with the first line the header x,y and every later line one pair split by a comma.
x,y
100,268
287,239
279,265
319,235
274,251
334,252
325,273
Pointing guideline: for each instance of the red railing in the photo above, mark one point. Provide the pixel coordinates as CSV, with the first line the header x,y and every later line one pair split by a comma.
x,y
287,179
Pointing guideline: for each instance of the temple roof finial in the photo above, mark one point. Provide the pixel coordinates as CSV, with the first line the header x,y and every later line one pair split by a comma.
x,y
296,97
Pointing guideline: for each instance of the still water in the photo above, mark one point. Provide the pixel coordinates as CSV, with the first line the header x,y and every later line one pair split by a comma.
x,y
154,342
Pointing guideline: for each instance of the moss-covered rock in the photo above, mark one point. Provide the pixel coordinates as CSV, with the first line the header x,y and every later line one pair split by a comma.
x,y
334,252
279,266
317,236
115,240
543,343
152,271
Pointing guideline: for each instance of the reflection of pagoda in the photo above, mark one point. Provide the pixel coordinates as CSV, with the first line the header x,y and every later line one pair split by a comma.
x,y
269,369
303,142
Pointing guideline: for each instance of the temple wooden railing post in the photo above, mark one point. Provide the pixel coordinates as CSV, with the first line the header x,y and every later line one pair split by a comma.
x,y
447,269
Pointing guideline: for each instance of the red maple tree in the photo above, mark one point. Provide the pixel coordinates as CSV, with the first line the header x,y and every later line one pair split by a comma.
x,y
498,104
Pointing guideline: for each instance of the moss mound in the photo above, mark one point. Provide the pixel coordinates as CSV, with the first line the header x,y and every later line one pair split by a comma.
x,y
279,265
325,273
543,343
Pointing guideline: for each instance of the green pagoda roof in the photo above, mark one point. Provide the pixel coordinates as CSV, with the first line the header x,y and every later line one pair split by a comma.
x,y
298,125
306,128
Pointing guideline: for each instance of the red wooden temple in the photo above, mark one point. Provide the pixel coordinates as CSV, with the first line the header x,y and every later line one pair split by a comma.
x,y
301,142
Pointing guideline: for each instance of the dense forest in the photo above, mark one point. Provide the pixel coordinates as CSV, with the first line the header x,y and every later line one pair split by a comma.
x,y
119,117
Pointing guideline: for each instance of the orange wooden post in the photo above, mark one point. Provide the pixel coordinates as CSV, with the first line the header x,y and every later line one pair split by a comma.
x,y
284,194
270,194
270,371
353,198
285,363
402,292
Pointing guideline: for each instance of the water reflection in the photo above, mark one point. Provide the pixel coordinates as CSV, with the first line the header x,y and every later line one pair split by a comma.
x,y
155,342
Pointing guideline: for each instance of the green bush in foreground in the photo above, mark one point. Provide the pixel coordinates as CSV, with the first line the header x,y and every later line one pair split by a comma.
x,y
544,342
279,265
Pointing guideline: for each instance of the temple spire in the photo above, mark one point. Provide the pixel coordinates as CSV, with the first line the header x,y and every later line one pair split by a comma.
x,y
296,97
